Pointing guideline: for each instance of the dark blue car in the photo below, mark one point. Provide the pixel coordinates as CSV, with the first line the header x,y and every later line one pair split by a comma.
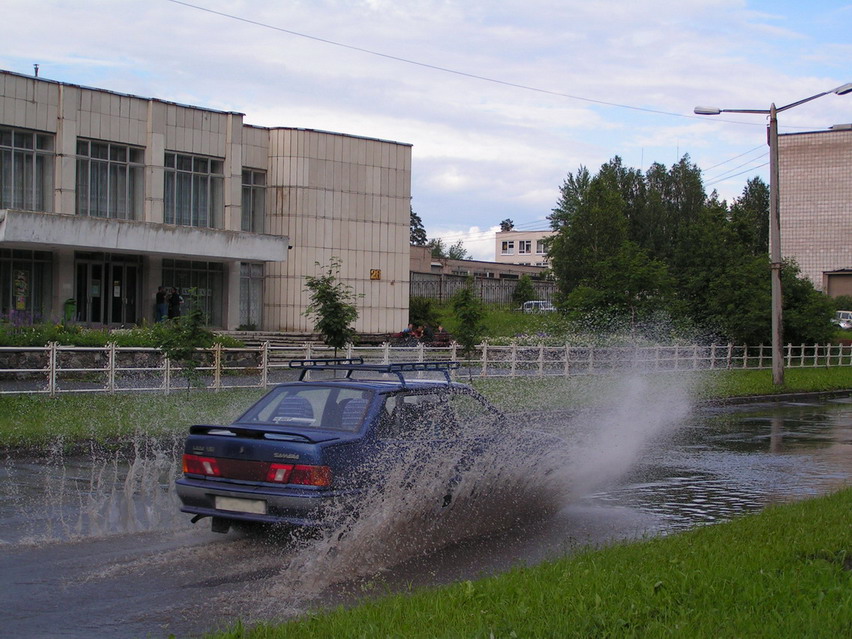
x,y
306,452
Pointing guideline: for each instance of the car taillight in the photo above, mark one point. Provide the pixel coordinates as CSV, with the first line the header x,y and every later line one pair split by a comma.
x,y
279,473
197,465
311,475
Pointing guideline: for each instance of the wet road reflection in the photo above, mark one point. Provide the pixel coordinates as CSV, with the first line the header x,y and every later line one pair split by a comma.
x,y
93,546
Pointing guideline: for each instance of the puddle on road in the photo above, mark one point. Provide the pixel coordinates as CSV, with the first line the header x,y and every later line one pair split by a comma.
x,y
54,497
638,466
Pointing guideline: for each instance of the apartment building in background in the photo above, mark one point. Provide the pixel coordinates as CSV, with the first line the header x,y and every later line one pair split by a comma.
x,y
104,197
522,247
815,189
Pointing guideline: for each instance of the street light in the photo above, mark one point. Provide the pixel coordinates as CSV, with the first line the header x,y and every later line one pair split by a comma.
x,y
774,216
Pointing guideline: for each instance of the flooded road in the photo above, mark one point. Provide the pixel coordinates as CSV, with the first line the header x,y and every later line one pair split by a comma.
x,y
93,546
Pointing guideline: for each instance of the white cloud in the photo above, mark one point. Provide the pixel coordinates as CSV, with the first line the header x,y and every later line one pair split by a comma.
x,y
483,150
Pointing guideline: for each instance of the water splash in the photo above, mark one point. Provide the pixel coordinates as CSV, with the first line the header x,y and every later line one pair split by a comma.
x,y
60,496
433,495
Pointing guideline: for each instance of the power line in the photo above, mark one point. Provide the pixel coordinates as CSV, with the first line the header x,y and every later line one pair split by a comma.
x,y
724,174
754,168
736,157
435,67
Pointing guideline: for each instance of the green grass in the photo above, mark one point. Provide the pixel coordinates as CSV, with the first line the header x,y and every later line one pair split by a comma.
x,y
786,572
28,421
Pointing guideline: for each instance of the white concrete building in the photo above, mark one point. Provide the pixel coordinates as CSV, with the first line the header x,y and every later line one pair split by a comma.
x,y
521,247
104,197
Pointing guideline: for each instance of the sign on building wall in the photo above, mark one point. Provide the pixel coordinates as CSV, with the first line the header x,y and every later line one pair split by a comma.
x,y
375,273
22,289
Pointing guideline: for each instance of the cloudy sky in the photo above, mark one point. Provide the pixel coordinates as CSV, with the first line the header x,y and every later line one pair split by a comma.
x,y
500,99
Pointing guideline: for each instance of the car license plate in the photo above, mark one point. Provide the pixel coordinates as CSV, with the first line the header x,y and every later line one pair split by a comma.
x,y
253,506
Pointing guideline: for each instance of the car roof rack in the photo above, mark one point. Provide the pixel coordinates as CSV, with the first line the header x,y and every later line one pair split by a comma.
x,y
357,364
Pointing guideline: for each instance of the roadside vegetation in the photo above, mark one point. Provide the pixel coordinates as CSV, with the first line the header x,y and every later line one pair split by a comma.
x,y
31,421
785,572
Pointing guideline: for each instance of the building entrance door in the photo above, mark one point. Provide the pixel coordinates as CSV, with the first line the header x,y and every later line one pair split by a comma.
x,y
107,290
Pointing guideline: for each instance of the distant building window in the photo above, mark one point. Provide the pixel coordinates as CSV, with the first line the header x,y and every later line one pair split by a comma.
x,y
26,170
254,200
508,248
193,191
109,180
200,283
540,247
524,247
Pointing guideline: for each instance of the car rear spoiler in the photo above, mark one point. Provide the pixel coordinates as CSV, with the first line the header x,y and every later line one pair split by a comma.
x,y
357,364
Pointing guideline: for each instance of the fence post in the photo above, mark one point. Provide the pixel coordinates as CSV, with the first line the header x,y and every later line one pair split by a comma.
x,y
713,356
592,359
308,353
385,352
567,360
745,356
513,368
51,368
167,375
264,364
802,356
730,357
760,357
217,367
484,346
111,365
695,357
541,360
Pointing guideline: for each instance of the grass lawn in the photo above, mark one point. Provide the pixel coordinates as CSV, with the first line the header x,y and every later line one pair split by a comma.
x,y
786,572
33,420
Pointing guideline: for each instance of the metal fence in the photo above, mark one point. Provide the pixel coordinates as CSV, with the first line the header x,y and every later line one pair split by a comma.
x,y
56,369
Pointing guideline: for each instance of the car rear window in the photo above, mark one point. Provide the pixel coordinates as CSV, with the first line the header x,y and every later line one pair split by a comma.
x,y
335,408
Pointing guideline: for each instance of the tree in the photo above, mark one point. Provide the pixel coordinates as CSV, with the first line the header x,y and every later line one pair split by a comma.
x,y
458,252
626,288
595,230
750,217
181,337
440,250
524,291
332,305
506,225
572,194
469,313
417,233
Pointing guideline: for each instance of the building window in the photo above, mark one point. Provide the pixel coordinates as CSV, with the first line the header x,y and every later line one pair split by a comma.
x,y
254,200
109,180
540,247
199,283
508,248
193,191
25,286
26,170
524,247
251,296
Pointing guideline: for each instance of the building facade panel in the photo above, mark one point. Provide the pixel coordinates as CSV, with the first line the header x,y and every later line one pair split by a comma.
x,y
815,189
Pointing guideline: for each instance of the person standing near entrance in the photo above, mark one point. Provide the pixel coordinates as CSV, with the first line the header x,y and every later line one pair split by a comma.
x,y
175,301
162,307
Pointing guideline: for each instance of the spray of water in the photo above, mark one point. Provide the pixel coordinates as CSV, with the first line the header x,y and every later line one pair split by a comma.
x,y
110,490
432,495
